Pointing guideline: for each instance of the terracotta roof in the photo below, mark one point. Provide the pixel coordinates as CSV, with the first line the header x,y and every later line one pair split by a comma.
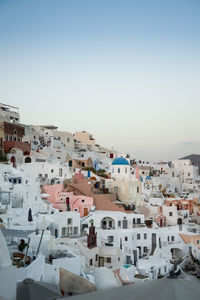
x,y
82,188
102,202
187,239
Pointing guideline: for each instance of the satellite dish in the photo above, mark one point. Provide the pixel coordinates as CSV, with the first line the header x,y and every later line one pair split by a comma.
x,y
92,208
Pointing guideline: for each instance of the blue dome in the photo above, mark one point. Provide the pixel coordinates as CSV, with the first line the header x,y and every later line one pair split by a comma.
x,y
148,178
120,161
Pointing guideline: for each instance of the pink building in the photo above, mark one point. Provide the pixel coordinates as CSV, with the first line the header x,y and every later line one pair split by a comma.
x,y
67,201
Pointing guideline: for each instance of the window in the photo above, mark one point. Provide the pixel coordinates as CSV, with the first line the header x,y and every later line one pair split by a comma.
x,y
165,269
75,230
90,262
134,221
126,170
108,260
138,236
170,214
112,170
64,231
118,170
126,238
69,221
198,242
168,238
51,170
110,239
138,189
145,249
75,209
188,174
68,140
119,223
110,223
83,200
172,238
46,175
60,172
138,221
96,257
145,236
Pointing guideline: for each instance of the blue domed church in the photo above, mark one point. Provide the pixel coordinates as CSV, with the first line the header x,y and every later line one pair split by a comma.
x,y
120,168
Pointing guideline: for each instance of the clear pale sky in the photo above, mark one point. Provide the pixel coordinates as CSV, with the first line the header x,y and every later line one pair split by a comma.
x,y
126,71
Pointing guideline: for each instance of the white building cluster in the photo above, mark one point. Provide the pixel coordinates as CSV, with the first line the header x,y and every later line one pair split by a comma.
x,y
74,211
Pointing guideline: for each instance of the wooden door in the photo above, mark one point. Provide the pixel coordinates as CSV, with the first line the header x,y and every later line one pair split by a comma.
x,y
85,211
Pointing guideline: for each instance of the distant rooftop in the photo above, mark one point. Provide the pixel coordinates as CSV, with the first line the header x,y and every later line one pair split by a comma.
x,y
52,127
2,105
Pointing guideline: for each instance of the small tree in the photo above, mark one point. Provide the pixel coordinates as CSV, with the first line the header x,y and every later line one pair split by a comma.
x,y
3,156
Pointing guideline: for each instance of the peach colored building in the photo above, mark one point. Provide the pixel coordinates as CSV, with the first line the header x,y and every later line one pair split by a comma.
x,y
85,138
82,162
67,201
181,204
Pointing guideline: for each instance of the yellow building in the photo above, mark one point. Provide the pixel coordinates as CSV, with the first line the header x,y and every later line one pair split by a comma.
x,y
127,191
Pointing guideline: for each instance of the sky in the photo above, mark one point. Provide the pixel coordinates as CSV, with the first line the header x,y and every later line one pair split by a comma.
x,y
127,71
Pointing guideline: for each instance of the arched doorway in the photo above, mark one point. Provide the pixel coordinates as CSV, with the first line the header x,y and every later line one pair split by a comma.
x,y
27,159
180,222
107,223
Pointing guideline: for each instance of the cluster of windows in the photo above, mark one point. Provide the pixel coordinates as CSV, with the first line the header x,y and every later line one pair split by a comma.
x,y
12,138
15,180
119,170
172,238
139,236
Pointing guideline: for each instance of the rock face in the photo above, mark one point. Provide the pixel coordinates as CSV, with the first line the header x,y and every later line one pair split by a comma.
x,y
71,284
